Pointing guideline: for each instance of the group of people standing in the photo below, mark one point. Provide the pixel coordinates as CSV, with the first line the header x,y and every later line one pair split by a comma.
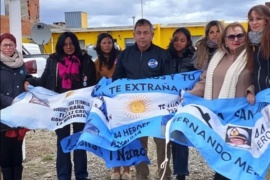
x,y
235,63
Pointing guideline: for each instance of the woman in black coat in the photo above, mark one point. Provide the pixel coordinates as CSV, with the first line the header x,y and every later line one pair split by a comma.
x,y
181,51
69,68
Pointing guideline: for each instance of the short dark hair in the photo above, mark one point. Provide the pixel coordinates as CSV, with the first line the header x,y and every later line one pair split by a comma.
x,y
141,22
61,42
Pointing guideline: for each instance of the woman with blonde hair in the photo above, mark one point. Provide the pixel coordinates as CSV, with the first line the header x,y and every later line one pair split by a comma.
x,y
227,75
207,46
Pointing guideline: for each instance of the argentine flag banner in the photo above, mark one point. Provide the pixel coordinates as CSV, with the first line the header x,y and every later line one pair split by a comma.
x,y
40,108
126,110
121,112
232,135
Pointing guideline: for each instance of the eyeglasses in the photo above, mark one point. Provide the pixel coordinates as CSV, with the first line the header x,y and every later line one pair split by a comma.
x,y
232,37
255,19
8,45
68,45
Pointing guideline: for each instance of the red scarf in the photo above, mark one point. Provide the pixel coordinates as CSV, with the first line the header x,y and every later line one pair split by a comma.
x,y
16,133
69,70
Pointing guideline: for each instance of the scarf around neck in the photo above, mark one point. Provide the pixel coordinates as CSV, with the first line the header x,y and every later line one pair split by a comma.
x,y
211,44
228,88
255,37
14,61
69,69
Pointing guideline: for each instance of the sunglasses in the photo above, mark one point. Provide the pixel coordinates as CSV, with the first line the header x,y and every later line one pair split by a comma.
x,y
232,37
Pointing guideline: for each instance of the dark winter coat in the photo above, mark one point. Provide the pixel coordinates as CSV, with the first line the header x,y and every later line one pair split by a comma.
x,y
50,78
134,64
12,81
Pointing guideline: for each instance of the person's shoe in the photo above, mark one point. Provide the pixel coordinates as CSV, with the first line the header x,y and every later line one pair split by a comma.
x,y
141,177
181,177
126,175
116,175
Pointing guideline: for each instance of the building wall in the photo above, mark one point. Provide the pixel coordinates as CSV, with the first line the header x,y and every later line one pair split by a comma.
x,y
33,11
162,35
29,10
77,19
26,26
84,19
30,15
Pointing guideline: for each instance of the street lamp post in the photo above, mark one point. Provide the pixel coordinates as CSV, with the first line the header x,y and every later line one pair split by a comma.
x,y
133,18
142,7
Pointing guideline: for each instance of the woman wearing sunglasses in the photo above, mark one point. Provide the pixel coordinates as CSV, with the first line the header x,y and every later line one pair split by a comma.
x,y
227,75
258,48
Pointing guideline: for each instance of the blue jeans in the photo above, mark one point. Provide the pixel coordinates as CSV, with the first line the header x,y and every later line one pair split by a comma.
x,y
63,160
180,159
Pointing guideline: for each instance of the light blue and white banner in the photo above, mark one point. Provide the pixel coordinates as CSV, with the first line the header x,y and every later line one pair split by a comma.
x,y
232,135
40,108
126,110
121,112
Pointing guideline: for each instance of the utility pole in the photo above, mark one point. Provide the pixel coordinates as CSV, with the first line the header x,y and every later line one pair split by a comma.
x,y
15,26
133,18
142,7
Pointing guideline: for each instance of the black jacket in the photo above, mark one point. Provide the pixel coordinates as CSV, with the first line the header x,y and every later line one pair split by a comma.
x,y
134,64
12,81
50,79
261,77
182,64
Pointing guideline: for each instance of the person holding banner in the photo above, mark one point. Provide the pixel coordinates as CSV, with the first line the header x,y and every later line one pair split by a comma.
x,y
207,46
105,65
144,60
13,75
228,75
69,68
181,50
258,48
107,55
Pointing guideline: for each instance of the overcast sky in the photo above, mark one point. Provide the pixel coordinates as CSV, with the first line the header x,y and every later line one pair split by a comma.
x,y
120,12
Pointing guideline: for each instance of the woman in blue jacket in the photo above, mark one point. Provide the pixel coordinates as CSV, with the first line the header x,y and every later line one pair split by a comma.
x,y
12,77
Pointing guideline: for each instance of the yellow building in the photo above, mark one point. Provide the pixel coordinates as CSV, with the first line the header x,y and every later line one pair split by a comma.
x,y
124,34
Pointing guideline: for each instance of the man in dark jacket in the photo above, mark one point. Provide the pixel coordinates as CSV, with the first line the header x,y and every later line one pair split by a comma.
x,y
144,60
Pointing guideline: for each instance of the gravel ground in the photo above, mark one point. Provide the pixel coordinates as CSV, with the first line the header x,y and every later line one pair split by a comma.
x,y
41,154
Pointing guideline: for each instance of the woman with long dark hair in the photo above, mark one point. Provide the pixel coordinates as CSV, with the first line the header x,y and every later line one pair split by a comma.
x,y
69,68
181,50
107,55
258,48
